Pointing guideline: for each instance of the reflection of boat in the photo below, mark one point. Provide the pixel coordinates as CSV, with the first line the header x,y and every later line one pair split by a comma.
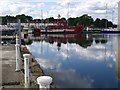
x,y
60,27
8,32
110,31
71,38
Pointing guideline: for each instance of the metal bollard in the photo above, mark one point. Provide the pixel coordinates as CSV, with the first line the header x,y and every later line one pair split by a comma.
x,y
26,70
18,68
44,82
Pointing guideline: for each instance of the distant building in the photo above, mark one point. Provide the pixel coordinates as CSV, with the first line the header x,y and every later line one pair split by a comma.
x,y
32,24
119,15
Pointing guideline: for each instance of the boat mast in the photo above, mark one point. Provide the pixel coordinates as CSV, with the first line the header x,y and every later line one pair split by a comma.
x,y
112,17
106,17
47,17
41,19
68,14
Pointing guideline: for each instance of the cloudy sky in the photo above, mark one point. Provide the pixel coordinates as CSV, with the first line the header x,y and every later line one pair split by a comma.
x,y
51,8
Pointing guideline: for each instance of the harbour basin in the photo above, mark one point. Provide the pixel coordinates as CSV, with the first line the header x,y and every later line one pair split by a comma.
x,y
77,61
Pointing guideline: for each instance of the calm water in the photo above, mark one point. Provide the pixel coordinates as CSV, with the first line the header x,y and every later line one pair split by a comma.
x,y
78,61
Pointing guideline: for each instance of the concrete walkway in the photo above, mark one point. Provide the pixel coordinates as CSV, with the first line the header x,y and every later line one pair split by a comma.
x,y
10,78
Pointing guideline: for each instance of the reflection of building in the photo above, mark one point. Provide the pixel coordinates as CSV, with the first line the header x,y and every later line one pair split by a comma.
x,y
118,60
119,15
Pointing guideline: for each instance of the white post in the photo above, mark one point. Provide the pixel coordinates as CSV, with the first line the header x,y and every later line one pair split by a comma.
x,y
19,31
18,68
87,36
26,70
44,82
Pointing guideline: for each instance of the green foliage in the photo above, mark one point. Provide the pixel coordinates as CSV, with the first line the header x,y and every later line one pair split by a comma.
x,y
51,20
85,20
24,18
97,41
97,23
72,22
103,41
103,23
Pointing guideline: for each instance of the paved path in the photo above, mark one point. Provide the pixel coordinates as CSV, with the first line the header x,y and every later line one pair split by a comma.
x,y
10,78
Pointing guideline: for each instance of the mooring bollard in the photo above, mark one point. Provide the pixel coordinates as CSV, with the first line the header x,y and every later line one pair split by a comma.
x,y
18,68
26,70
44,82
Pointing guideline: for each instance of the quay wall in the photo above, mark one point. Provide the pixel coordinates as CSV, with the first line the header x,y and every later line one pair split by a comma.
x,y
119,15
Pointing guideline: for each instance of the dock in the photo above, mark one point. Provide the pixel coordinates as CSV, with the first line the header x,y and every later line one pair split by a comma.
x,y
10,78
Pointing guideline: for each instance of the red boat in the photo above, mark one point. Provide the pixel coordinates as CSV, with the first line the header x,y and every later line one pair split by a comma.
x,y
60,27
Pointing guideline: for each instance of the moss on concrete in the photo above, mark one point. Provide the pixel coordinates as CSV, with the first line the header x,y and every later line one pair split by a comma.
x,y
35,70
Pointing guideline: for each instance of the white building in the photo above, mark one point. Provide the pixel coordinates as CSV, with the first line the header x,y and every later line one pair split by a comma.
x,y
119,15
32,24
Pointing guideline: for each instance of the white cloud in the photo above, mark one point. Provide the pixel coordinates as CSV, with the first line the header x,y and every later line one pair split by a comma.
x,y
76,7
54,61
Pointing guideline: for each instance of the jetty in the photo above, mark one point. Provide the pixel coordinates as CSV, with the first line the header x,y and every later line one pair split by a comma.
x,y
10,78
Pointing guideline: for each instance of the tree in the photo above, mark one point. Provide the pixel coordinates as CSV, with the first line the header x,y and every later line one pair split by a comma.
x,y
51,20
29,18
63,19
85,20
97,23
71,21
24,18
103,23
110,24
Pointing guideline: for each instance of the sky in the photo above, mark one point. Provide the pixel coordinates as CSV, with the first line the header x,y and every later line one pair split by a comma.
x,y
66,8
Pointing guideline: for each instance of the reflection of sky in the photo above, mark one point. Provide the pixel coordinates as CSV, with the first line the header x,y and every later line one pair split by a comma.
x,y
75,66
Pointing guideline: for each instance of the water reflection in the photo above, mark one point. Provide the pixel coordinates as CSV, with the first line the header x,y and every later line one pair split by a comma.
x,y
118,60
77,61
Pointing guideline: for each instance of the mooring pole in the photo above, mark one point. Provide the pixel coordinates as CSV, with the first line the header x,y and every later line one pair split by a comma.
x,y
44,82
26,70
18,68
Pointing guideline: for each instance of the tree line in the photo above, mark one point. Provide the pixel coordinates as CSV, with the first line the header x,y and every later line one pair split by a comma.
x,y
88,21
85,20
